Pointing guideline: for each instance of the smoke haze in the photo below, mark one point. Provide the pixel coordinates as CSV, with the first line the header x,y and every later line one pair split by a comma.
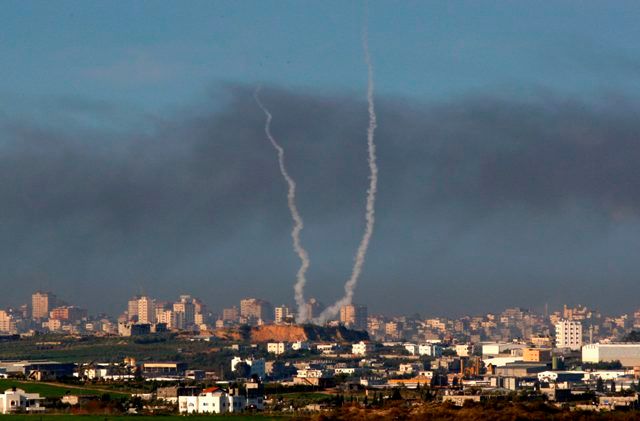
x,y
483,195
298,223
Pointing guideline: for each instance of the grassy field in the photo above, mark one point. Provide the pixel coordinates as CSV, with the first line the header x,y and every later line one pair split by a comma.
x,y
54,390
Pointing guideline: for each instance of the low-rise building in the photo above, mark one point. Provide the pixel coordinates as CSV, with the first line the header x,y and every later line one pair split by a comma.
x,y
276,348
17,400
627,353
361,348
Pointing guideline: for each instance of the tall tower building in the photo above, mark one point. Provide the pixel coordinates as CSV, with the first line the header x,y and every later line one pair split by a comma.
x,y
354,316
132,308
41,304
146,310
184,312
256,309
282,314
569,334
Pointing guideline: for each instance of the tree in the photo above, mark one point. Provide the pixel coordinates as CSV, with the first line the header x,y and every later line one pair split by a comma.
x,y
242,370
599,385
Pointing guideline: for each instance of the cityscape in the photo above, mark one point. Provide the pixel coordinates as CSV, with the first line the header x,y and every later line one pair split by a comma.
x,y
574,357
325,210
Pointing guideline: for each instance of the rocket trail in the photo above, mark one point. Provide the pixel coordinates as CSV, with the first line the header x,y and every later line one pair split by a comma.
x,y
298,224
370,216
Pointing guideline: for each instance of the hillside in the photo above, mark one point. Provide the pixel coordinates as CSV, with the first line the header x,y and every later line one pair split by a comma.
x,y
292,333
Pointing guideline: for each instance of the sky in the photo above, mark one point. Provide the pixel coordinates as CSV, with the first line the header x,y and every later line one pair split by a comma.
x,y
133,157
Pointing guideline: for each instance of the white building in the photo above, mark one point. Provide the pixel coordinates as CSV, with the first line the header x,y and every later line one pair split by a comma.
x,y
627,353
257,365
498,348
276,348
464,350
211,401
410,368
17,400
431,350
569,334
361,348
300,345
411,348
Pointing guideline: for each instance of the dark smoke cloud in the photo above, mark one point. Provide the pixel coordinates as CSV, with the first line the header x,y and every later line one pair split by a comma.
x,y
193,202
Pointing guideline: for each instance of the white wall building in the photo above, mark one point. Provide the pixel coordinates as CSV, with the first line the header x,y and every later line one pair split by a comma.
x,y
497,348
361,348
276,348
431,350
569,334
17,400
627,353
257,366
211,401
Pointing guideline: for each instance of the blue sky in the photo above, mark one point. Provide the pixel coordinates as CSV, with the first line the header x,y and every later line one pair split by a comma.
x,y
159,54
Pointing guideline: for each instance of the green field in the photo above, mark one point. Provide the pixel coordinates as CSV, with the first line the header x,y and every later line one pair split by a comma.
x,y
55,391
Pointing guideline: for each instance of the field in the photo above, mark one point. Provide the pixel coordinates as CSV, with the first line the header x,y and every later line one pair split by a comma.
x,y
51,390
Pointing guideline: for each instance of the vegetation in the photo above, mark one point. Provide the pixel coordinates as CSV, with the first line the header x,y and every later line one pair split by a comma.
x,y
53,390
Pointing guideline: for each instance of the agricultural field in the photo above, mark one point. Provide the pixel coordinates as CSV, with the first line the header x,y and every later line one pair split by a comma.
x,y
54,390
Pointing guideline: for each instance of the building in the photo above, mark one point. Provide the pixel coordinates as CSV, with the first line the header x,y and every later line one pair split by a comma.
x,y
184,312
276,348
7,322
159,370
354,316
361,348
283,314
230,314
314,308
41,304
431,350
257,365
569,334
68,313
132,308
627,353
498,348
211,401
257,309
17,400
146,310
536,355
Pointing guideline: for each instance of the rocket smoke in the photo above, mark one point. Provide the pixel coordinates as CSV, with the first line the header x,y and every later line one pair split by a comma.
x,y
298,224
350,285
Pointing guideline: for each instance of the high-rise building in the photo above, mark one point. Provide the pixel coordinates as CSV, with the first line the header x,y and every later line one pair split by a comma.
x,y
146,310
132,308
314,308
7,323
69,313
283,314
41,304
230,314
569,334
184,312
256,308
354,316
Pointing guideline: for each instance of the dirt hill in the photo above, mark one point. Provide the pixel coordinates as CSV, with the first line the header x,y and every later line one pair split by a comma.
x,y
291,333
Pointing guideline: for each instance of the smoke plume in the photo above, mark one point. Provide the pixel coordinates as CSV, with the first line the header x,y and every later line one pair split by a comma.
x,y
370,216
298,223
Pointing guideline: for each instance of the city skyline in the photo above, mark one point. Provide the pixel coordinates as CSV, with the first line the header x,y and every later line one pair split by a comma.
x,y
133,154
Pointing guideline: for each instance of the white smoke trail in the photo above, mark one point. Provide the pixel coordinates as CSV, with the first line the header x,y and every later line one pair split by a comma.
x,y
298,224
349,286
